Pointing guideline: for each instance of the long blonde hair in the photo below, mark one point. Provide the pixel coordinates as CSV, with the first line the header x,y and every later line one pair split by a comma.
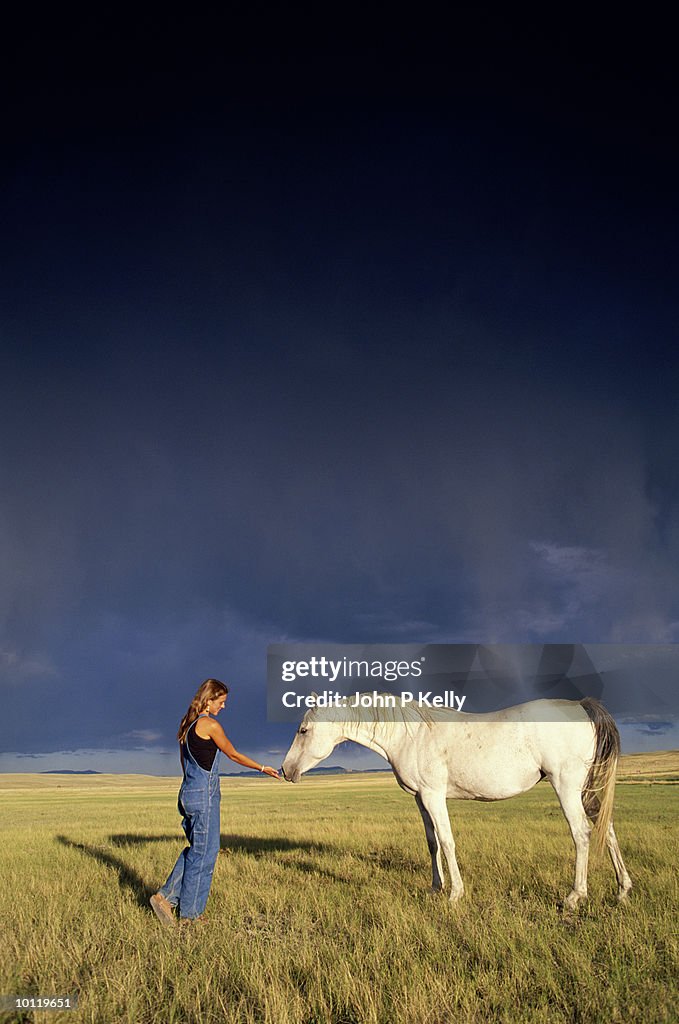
x,y
211,689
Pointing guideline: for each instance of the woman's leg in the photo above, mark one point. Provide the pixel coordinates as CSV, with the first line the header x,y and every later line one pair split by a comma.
x,y
173,886
199,860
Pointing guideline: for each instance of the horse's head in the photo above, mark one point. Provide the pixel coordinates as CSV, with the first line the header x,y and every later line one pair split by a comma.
x,y
313,742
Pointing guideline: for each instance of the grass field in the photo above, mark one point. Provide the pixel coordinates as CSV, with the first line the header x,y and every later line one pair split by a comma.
x,y
319,911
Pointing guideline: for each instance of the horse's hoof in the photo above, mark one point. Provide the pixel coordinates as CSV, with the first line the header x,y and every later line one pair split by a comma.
x,y
573,898
456,896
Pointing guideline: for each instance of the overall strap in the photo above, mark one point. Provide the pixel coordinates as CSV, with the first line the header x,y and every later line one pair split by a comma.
x,y
187,749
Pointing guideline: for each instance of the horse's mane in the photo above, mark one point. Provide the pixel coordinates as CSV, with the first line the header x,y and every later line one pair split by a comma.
x,y
395,717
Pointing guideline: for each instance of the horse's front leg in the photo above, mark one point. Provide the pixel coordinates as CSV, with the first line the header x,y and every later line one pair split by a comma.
x,y
437,883
434,804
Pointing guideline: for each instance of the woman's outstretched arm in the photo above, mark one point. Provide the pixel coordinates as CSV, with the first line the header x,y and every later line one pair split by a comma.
x,y
226,746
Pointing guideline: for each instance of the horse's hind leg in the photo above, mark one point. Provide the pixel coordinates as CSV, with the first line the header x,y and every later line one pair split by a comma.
x,y
433,844
434,803
624,880
568,788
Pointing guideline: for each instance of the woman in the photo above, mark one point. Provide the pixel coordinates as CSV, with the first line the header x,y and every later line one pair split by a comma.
x,y
200,738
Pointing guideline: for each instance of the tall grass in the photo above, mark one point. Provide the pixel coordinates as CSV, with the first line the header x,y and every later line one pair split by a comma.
x,y
319,911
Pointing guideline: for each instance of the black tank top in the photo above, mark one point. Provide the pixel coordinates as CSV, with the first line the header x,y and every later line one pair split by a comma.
x,y
204,751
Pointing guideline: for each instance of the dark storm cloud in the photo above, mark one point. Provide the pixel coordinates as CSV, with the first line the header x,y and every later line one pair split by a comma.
x,y
371,377
147,556
654,728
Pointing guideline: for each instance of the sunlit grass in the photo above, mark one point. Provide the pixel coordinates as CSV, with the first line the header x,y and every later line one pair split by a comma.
x,y
320,912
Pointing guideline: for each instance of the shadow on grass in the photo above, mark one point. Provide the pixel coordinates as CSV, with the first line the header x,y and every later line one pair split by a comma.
x,y
256,846
387,859
139,839
127,878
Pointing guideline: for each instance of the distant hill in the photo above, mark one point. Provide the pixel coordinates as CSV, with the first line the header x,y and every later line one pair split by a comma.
x,y
654,766
334,770
338,770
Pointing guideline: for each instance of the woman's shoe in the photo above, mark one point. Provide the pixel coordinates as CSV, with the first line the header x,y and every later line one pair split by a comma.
x,y
164,911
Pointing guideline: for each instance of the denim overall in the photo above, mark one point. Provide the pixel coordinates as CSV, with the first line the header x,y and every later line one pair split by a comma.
x,y
199,796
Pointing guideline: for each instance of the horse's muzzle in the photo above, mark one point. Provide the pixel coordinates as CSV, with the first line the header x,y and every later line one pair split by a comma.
x,y
290,776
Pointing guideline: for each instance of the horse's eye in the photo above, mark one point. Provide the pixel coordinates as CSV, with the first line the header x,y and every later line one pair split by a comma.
x,y
302,729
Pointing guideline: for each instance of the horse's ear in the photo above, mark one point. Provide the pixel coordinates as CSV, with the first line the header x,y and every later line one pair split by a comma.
x,y
314,695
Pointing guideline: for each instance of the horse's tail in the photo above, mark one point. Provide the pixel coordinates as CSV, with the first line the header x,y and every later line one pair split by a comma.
x,y
597,794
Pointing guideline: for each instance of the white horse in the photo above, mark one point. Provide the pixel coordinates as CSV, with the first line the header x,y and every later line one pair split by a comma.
x,y
439,754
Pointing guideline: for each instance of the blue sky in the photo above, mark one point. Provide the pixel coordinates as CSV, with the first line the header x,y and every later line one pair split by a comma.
x,y
292,365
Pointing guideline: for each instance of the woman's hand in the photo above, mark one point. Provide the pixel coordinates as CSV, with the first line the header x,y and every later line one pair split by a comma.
x,y
270,771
